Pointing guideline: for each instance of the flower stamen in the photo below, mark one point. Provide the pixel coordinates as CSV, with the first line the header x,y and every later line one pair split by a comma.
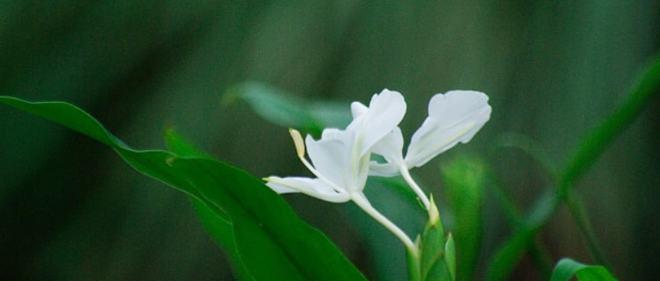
x,y
300,151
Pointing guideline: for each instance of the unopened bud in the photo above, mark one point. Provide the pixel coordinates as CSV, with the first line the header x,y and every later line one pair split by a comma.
x,y
434,214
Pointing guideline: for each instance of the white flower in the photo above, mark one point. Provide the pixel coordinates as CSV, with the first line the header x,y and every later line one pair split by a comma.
x,y
331,159
340,159
454,117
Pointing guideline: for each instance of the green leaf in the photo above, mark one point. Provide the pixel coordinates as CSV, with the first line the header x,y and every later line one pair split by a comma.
x,y
464,180
589,150
288,111
273,242
182,147
567,268
217,224
222,232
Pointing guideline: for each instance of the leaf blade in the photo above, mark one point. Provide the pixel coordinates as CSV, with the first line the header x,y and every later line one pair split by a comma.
x,y
286,110
241,196
567,268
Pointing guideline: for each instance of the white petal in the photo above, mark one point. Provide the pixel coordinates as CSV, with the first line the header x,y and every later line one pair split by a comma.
x,y
453,117
331,156
383,169
359,174
312,187
358,109
391,147
333,134
384,114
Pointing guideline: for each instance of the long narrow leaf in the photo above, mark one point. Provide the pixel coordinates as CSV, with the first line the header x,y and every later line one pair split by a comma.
x,y
289,111
591,147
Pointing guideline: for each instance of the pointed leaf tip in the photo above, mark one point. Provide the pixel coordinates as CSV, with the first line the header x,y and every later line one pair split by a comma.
x,y
450,256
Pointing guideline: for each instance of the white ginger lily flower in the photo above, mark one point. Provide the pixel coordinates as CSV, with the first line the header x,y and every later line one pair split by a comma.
x,y
331,159
454,117
340,160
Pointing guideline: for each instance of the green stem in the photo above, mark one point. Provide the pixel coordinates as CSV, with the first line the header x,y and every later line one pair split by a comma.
x,y
414,186
364,204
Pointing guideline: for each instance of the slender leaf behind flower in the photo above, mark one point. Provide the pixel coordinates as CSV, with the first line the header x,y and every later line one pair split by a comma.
x,y
284,109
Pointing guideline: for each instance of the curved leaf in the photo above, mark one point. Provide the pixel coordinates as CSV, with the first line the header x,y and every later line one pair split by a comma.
x,y
567,268
273,242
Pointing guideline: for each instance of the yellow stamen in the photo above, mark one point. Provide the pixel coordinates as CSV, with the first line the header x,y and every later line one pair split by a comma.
x,y
298,142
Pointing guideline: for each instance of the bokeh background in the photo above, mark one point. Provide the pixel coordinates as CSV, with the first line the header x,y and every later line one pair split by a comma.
x,y
70,209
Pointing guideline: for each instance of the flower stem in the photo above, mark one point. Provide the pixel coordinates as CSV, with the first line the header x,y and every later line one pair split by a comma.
x,y
364,204
418,190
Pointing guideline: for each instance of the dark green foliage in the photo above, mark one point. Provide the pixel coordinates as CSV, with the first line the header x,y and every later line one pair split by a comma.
x,y
590,148
272,242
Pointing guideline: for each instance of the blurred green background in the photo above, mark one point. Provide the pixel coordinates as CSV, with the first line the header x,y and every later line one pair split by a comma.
x,y
70,209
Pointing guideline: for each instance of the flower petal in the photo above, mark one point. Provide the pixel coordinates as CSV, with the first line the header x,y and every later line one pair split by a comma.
x,y
331,156
391,147
333,134
383,169
453,117
358,109
383,115
312,187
